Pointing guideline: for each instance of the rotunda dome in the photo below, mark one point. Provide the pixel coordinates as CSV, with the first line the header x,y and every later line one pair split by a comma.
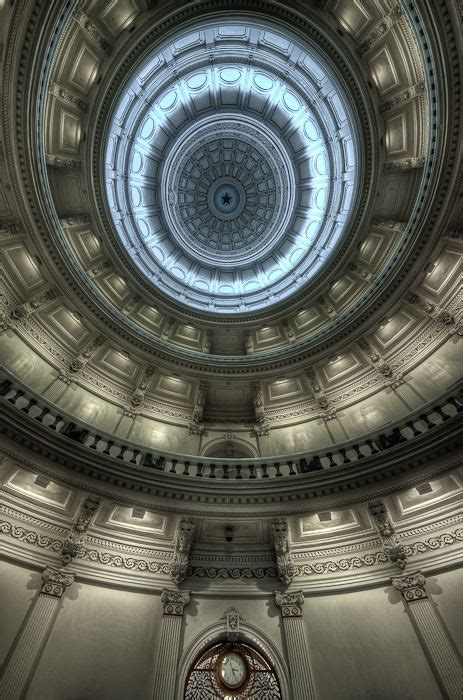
x,y
232,164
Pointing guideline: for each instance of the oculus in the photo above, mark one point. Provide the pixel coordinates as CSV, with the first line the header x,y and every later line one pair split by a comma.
x,y
232,164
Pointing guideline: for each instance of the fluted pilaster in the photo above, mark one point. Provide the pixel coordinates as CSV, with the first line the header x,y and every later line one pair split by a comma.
x,y
432,633
174,603
34,634
296,644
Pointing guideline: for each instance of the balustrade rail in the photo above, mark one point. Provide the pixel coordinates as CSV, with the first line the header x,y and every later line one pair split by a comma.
x,y
349,452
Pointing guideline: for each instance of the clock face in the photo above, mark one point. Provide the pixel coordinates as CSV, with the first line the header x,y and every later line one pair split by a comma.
x,y
232,670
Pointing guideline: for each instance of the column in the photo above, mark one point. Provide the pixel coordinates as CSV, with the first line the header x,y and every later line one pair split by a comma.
x,y
33,637
296,644
174,603
432,634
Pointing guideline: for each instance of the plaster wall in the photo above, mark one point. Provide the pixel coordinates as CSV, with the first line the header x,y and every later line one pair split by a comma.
x,y
103,645
362,645
104,641
259,612
446,588
17,591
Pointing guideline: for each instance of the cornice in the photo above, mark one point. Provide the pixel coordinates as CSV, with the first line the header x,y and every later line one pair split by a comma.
x,y
348,568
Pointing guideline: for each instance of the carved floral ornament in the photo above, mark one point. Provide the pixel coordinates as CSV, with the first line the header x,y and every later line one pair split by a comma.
x,y
55,582
182,545
174,602
233,617
285,565
290,603
412,586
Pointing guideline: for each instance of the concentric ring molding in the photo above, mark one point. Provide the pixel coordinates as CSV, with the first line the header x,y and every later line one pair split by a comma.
x,y
365,129
295,101
250,362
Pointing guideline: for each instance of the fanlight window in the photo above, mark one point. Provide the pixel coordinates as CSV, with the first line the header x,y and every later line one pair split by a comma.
x,y
232,671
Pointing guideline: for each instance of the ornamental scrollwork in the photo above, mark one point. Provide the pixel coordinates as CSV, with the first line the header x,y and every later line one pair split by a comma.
x,y
290,603
55,582
174,602
233,617
412,586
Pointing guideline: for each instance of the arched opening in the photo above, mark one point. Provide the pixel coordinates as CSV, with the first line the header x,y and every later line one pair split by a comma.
x,y
232,671
229,449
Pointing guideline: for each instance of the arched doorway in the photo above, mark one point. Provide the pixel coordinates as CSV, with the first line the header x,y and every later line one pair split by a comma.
x,y
232,671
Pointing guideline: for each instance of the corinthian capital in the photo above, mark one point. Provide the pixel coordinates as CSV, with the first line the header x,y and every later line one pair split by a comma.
x,y
411,586
290,603
174,602
55,582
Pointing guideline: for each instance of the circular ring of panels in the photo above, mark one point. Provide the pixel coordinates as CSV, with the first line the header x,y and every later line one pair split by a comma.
x,y
232,165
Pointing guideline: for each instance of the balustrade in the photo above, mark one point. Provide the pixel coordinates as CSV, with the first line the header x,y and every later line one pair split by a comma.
x,y
331,458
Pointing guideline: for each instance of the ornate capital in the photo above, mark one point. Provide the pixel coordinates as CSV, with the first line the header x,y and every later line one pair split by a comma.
x,y
290,603
174,602
55,582
411,586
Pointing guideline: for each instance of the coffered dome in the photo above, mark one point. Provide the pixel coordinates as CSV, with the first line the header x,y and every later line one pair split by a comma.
x,y
231,318
232,164
239,229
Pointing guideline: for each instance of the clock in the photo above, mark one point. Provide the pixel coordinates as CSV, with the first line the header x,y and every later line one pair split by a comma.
x,y
232,670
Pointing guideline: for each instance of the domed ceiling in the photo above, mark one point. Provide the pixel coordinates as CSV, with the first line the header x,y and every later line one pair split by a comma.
x,y
231,165
231,228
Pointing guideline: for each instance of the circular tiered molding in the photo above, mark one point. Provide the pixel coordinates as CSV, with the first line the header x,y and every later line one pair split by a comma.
x,y
277,126
137,317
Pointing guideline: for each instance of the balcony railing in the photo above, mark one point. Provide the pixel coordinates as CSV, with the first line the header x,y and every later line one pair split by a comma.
x,y
349,452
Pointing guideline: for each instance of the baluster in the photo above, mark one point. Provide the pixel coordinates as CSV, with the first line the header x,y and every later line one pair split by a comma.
x,y
278,472
54,425
440,412
95,442
413,428
330,457
372,447
134,457
108,447
199,467
426,420
238,471
455,403
212,474
172,469
42,414
264,471
291,470
225,471
344,456
17,396
186,468
357,451
28,406
252,471
121,454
